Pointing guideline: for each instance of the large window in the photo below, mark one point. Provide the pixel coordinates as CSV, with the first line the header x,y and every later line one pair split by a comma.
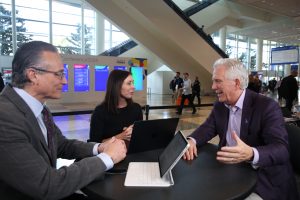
x,y
73,25
231,46
6,38
113,36
32,20
242,48
89,31
66,20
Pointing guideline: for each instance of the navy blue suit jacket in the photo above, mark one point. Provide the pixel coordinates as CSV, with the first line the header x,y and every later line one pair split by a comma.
x,y
262,127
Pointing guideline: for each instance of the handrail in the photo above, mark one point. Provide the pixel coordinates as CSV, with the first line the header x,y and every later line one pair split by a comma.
x,y
120,48
198,6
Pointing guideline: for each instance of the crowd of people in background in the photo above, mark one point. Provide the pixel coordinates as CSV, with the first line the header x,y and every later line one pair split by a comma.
x,y
185,91
287,87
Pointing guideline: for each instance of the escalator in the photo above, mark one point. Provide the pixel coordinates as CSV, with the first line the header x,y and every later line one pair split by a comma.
x,y
185,14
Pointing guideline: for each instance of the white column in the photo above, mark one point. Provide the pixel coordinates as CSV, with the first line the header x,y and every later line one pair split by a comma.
x,y
259,49
222,32
287,70
99,33
248,55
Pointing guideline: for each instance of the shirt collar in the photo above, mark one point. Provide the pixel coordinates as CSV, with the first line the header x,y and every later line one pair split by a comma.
x,y
35,106
239,103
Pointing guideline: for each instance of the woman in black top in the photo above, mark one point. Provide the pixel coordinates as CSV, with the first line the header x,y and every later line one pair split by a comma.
x,y
117,113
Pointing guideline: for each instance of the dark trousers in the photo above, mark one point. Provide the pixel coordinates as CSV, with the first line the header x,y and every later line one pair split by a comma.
x,y
183,98
196,94
289,103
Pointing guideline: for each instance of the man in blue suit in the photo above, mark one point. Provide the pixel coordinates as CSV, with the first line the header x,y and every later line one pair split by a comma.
x,y
251,129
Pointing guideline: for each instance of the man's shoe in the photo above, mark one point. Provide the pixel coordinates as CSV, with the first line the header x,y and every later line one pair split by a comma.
x,y
194,111
178,113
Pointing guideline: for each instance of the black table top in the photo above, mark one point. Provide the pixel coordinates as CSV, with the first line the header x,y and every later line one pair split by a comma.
x,y
202,178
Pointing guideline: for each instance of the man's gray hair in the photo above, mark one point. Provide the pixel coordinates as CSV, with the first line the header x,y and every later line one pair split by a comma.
x,y
234,70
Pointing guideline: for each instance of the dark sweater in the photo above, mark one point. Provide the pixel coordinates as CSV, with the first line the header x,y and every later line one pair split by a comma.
x,y
105,125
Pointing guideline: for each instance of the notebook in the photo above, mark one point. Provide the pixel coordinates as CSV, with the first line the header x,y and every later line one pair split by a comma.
x,y
152,134
157,174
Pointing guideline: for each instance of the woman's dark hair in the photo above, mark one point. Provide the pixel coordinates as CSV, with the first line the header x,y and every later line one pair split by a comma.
x,y
28,55
113,90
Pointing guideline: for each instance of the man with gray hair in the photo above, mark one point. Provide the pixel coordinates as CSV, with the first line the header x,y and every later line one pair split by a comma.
x,y
251,129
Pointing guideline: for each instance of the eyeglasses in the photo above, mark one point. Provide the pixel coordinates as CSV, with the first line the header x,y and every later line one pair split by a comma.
x,y
59,74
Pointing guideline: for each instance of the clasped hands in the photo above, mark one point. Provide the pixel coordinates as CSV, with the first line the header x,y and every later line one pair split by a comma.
x,y
229,155
115,148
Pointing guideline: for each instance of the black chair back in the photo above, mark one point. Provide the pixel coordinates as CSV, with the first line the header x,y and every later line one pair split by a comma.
x,y
286,112
294,143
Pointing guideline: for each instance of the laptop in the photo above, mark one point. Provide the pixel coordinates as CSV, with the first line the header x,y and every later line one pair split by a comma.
x,y
297,108
157,174
152,134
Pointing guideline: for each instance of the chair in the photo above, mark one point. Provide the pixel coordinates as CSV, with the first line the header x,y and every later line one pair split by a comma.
x,y
286,112
294,143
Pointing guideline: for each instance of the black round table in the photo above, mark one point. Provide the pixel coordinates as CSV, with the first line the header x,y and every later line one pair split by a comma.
x,y
202,178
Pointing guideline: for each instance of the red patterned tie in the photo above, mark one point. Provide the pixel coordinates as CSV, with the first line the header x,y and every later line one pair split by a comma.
x,y
48,121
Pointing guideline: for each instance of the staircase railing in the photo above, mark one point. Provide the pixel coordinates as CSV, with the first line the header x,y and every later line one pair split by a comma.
x,y
120,48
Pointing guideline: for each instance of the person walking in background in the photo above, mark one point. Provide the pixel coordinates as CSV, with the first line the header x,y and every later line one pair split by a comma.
x,y
115,116
251,131
186,94
254,83
277,87
196,88
1,82
272,85
289,89
257,83
251,83
30,142
172,86
178,83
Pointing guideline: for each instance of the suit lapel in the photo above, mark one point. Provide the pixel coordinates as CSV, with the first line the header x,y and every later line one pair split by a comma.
x,y
246,115
28,114
224,118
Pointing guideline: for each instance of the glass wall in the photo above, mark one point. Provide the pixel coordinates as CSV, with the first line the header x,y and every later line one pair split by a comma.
x,y
245,49
32,20
71,26
6,37
113,36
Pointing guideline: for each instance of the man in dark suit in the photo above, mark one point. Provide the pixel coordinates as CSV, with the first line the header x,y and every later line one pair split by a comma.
x,y
30,142
289,89
251,129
